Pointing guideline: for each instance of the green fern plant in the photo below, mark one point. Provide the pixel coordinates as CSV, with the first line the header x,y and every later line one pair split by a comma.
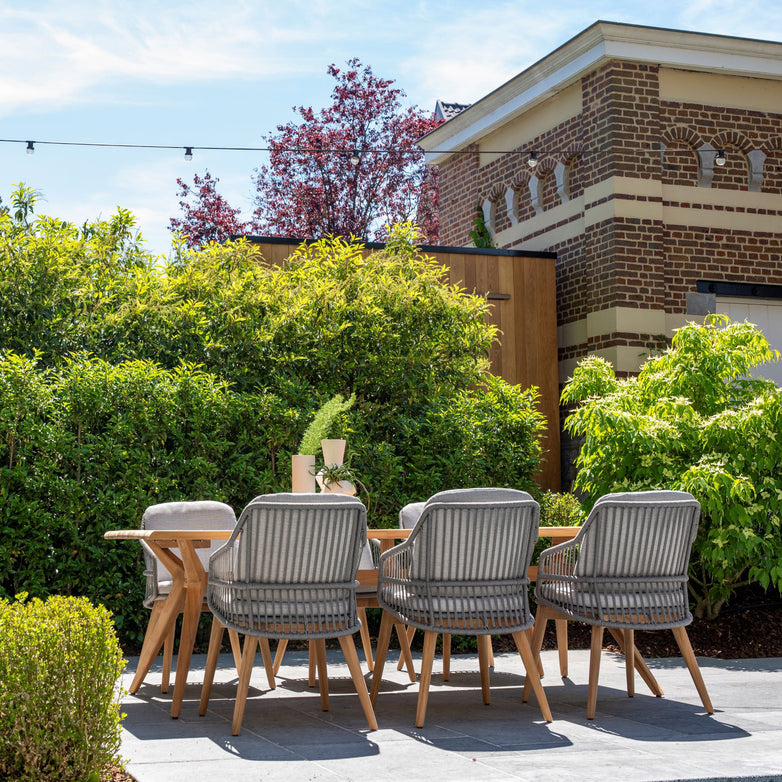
x,y
320,426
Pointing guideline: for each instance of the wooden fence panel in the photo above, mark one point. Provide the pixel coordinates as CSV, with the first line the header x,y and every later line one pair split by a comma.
x,y
521,288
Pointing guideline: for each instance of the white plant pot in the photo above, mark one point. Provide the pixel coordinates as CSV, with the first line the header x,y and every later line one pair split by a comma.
x,y
333,451
340,487
302,473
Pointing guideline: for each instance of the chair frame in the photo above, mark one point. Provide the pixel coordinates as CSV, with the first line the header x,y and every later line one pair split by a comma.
x,y
421,581
611,594
294,608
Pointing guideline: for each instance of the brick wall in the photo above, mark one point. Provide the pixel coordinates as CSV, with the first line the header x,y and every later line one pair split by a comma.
x,y
634,261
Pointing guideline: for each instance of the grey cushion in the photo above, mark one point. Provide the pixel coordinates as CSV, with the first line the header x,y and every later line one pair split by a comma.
x,y
200,514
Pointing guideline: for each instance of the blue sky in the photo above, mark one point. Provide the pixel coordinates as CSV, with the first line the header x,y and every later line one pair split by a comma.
x,y
212,74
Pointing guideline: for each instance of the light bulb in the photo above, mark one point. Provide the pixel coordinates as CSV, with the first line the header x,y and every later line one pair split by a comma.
x,y
188,153
355,159
720,159
533,159
30,148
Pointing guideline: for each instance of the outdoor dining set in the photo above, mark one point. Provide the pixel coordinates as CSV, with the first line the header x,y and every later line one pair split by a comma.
x,y
305,567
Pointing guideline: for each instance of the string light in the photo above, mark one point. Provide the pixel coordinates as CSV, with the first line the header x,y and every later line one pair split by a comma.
x,y
354,155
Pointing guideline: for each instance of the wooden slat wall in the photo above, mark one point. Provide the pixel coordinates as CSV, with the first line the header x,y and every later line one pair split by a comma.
x,y
526,353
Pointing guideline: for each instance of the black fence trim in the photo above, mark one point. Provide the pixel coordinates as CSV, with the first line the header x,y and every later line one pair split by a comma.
x,y
427,248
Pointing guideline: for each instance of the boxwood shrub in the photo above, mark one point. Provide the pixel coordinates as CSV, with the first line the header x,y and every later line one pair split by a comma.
x,y
60,662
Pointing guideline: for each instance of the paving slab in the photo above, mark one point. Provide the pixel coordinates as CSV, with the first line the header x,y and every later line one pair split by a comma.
x,y
286,736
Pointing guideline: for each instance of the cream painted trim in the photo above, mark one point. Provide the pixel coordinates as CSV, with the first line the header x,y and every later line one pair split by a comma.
x,y
623,185
713,89
542,222
716,196
622,320
598,44
518,132
703,218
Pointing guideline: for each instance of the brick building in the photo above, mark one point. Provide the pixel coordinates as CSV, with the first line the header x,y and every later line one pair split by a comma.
x,y
658,182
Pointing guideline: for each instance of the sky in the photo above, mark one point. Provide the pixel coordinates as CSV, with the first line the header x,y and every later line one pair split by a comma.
x,y
164,72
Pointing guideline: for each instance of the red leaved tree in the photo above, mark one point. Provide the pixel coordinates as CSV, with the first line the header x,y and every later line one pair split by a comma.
x,y
350,168
207,216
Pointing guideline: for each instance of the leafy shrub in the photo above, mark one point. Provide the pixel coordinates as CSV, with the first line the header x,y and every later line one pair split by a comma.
x,y
59,666
127,380
694,420
561,510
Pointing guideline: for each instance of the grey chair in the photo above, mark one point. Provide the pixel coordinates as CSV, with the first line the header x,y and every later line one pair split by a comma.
x,y
202,514
289,571
625,570
462,570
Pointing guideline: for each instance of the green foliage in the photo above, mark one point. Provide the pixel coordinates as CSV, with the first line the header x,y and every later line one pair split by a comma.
x,y
561,510
127,380
59,714
322,422
694,420
87,446
480,234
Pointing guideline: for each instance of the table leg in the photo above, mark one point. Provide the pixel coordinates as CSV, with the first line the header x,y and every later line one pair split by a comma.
x,y
195,579
157,634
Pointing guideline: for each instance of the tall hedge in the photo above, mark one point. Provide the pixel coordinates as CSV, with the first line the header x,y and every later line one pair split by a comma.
x,y
127,380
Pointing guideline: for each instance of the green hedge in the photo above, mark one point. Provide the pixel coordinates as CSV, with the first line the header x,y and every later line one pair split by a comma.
x,y
127,381
59,700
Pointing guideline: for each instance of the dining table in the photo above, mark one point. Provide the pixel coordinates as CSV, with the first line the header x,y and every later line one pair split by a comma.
x,y
176,549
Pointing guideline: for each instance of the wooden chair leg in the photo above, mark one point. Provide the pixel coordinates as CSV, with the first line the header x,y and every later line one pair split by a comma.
x,y
323,679
562,645
383,639
248,657
683,640
630,661
640,663
447,656
266,653
236,650
311,675
531,673
215,639
351,658
430,641
366,641
168,655
595,651
406,654
484,653
409,632
282,645
530,633
541,620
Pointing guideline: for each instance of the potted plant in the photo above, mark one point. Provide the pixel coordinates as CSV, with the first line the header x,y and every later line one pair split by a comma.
x,y
303,462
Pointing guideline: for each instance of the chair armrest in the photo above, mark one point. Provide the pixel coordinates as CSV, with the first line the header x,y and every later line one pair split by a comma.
x,y
558,561
395,563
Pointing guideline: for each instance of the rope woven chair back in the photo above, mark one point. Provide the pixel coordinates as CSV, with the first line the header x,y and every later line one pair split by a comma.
x,y
203,514
638,535
289,568
479,535
300,539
